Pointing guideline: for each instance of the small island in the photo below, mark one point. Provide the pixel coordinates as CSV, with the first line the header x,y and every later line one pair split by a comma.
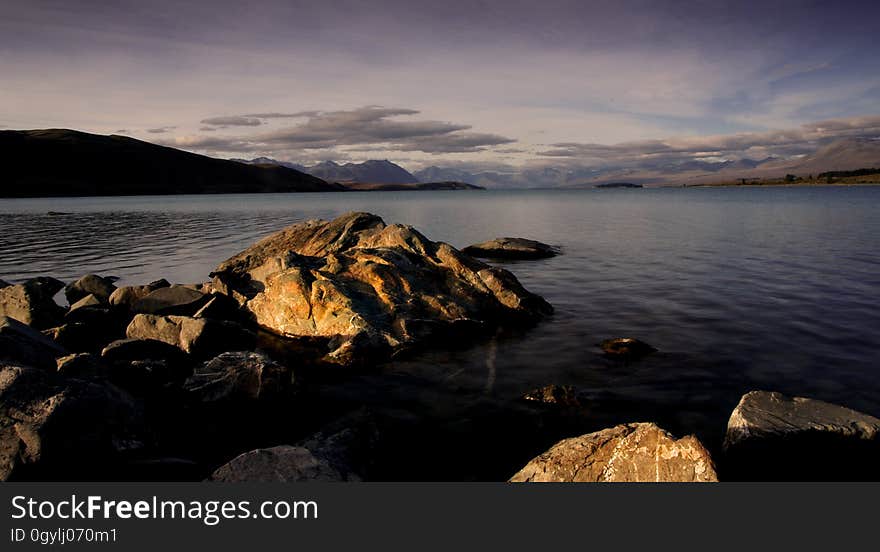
x,y
618,185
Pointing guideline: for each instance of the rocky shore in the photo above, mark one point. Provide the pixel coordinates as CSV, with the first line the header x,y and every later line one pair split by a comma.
x,y
222,380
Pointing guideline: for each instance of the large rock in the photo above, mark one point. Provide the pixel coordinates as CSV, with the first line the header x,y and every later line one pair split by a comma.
x,y
639,452
127,296
771,436
341,452
79,365
90,284
176,299
32,302
511,249
238,376
22,344
51,427
202,337
370,286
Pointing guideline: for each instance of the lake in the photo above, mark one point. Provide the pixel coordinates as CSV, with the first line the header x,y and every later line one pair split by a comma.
x,y
740,288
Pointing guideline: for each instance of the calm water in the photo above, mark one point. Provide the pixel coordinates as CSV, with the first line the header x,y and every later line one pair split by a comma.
x,y
740,288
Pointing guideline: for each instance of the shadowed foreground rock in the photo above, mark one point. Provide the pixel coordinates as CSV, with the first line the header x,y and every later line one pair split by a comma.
x,y
238,375
639,452
20,343
341,452
511,248
371,287
53,427
771,436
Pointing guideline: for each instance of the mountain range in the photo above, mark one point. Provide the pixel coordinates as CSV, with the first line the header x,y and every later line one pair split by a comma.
x,y
372,172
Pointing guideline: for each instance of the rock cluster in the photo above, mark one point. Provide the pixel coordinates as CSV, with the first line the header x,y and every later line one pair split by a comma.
x,y
371,288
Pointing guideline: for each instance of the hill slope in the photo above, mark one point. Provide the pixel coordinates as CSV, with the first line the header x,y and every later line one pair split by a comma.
x,y
60,162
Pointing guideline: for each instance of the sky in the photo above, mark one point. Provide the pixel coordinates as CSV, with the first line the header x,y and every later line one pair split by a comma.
x,y
473,84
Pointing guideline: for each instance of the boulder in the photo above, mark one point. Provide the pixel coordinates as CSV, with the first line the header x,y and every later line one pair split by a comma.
x,y
511,249
19,343
340,452
57,428
32,302
90,284
238,376
371,288
626,348
79,365
126,296
640,452
143,366
201,337
771,436
176,299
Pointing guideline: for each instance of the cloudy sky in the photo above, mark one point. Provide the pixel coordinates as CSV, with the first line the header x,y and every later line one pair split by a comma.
x,y
448,83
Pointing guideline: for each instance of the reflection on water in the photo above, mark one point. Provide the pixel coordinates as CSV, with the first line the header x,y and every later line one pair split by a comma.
x,y
740,288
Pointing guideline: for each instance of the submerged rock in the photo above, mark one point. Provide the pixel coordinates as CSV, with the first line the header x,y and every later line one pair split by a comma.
x,y
639,452
52,427
20,343
32,302
201,337
559,395
238,375
511,248
626,348
771,436
90,284
370,287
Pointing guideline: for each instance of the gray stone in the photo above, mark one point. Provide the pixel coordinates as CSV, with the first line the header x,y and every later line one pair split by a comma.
x,y
771,436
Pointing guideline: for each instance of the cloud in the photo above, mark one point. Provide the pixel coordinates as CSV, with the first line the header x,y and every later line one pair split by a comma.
x,y
783,143
362,129
207,129
275,115
161,130
236,120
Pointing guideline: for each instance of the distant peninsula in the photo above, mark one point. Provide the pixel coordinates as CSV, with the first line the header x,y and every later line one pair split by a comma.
x,y
63,163
618,185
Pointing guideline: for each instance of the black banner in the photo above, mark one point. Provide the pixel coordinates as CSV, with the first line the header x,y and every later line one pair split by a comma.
x,y
416,516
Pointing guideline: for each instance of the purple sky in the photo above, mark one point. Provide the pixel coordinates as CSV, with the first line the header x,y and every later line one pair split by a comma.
x,y
455,84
